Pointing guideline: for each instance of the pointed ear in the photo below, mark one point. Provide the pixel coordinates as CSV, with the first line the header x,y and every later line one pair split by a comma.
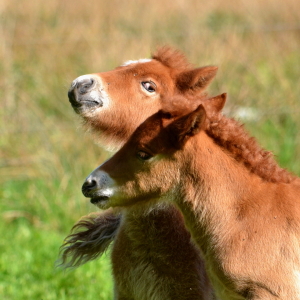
x,y
187,126
215,104
196,79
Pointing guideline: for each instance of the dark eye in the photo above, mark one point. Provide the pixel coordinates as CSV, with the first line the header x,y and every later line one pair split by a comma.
x,y
143,155
149,86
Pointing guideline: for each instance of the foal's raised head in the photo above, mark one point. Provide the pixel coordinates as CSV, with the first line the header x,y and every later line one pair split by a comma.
x,y
148,166
116,102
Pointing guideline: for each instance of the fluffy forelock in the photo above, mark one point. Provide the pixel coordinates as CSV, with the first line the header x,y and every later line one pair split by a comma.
x,y
172,58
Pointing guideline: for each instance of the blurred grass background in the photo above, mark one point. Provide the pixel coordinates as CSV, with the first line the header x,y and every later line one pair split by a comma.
x,y
44,154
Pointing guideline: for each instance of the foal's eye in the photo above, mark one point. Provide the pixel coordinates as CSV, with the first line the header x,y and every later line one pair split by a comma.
x,y
143,155
149,86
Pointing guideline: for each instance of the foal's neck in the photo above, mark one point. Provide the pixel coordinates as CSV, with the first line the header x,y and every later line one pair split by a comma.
x,y
214,186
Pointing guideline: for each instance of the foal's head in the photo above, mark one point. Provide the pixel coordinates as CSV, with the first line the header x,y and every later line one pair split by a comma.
x,y
149,164
116,102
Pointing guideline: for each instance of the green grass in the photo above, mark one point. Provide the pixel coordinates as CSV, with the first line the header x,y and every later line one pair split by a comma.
x,y
44,156
282,139
28,253
40,202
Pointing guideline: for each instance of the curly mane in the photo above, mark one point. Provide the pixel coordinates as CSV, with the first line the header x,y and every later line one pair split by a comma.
x,y
231,135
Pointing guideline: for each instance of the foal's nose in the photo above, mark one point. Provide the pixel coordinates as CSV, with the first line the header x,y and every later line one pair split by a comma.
x,y
80,89
89,186
98,185
83,85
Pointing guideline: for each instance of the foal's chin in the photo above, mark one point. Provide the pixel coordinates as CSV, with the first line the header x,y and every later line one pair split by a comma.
x,y
101,202
105,202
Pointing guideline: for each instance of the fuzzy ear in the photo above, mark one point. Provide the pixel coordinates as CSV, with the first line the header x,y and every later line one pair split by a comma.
x,y
187,126
215,104
196,79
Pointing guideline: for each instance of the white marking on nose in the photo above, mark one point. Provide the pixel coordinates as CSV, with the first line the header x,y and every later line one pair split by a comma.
x,y
130,62
95,95
82,77
74,83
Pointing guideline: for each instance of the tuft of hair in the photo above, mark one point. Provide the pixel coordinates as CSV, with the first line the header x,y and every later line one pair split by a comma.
x,y
89,239
172,58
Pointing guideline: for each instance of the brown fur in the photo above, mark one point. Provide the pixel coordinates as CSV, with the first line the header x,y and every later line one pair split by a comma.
x,y
148,247
243,217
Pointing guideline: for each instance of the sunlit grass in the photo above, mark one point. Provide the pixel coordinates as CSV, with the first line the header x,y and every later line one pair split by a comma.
x,y
45,155
28,253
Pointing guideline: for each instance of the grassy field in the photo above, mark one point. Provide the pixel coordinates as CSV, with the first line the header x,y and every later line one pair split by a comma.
x,y
44,153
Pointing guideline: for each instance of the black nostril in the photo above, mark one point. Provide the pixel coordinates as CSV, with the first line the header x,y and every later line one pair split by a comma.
x,y
71,96
89,185
71,92
85,85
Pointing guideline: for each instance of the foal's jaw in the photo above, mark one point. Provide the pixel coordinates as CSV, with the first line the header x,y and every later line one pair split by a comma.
x,y
87,95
